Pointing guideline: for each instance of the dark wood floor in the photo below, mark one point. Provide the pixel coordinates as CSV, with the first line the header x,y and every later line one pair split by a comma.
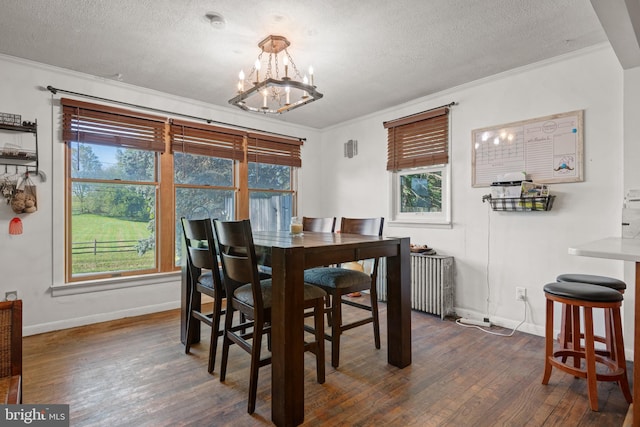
x,y
133,372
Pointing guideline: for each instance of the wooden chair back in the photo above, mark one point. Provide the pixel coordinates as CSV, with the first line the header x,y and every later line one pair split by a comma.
x,y
365,227
322,225
238,257
202,255
11,348
201,249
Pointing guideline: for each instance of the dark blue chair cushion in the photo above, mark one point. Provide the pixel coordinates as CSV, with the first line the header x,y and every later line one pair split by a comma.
x,y
206,279
336,277
609,282
583,291
244,294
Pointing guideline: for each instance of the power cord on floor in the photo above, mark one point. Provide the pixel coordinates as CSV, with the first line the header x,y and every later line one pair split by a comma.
x,y
488,283
498,333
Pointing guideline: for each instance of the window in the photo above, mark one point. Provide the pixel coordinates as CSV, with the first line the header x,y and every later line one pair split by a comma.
x,y
112,213
203,163
271,178
418,194
129,185
112,164
418,159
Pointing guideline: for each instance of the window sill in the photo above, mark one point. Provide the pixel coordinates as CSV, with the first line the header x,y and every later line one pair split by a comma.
x,y
419,223
74,288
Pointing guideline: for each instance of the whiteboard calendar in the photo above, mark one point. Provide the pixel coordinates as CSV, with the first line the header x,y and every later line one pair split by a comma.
x,y
548,149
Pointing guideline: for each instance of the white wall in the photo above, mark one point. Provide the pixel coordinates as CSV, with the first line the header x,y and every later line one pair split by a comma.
x,y
516,249
32,262
519,249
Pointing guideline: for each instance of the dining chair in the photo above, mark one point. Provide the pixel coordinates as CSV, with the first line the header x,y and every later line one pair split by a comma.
x,y
202,261
322,225
11,351
252,297
339,281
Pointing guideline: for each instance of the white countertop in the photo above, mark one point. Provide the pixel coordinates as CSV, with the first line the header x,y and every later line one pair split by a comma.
x,y
610,247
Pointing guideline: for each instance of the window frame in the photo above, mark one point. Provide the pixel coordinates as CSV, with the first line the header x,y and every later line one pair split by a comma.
x,y
69,277
435,218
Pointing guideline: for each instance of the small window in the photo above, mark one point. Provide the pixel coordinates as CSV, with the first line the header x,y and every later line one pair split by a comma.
x,y
418,159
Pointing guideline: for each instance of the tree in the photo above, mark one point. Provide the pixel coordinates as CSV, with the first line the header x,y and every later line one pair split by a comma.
x,y
421,192
84,164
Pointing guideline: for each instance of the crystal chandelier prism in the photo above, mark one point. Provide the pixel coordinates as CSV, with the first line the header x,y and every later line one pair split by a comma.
x,y
268,89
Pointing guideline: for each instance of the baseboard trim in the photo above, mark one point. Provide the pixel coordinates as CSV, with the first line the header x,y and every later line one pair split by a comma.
x,y
98,318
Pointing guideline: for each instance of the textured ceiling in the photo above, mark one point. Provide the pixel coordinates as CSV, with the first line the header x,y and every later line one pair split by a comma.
x,y
368,55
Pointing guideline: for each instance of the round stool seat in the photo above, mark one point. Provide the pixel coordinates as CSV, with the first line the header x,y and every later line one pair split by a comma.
x,y
583,291
578,343
609,282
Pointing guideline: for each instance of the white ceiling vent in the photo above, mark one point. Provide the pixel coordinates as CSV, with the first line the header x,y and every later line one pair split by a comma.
x,y
351,148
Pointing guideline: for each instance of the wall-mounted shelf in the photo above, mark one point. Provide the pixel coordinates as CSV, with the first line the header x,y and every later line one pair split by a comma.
x,y
10,155
520,204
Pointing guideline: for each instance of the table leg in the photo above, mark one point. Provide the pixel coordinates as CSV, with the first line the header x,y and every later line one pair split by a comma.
x,y
399,306
287,352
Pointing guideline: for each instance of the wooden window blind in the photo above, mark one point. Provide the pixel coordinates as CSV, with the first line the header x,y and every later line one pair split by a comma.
x,y
99,124
207,140
273,150
418,140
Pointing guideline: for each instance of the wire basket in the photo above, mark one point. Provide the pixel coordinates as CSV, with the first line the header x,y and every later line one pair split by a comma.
x,y
10,119
520,204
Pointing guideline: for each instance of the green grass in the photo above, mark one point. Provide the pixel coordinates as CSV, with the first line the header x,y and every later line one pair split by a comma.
x,y
88,227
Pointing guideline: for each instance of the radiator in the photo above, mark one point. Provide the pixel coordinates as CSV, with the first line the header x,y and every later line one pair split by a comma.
x,y
432,286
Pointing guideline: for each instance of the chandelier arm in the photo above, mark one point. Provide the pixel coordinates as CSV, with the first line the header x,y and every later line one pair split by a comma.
x,y
296,73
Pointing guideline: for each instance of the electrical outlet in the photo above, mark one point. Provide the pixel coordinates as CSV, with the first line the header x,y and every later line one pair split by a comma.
x,y
521,294
11,296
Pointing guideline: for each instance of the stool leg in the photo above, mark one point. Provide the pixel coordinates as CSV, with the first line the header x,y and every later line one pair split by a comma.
x,y
548,347
610,333
620,357
575,333
565,327
564,337
590,358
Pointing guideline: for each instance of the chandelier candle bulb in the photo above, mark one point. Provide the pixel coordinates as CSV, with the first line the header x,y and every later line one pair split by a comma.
x,y
311,74
288,91
264,98
241,82
285,60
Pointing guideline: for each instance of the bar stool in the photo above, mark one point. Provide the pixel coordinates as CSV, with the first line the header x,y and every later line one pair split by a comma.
x,y
587,297
564,337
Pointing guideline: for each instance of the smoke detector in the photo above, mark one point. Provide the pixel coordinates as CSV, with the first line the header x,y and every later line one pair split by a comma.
x,y
216,20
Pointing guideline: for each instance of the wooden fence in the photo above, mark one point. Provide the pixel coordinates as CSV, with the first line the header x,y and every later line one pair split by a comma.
x,y
96,247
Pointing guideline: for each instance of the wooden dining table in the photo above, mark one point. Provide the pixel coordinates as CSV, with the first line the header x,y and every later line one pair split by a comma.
x,y
288,256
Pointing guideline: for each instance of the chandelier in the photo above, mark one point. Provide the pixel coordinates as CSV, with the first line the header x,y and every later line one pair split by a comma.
x,y
267,89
